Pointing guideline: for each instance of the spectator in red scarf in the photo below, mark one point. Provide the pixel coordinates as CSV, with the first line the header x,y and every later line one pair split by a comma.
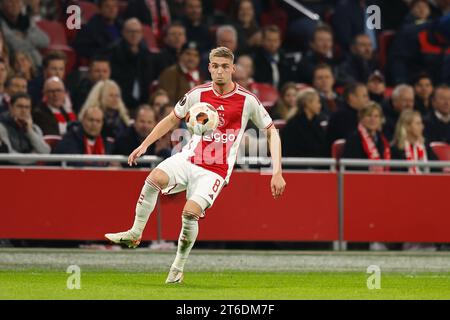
x,y
86,138
182,77
409,142
51,116
368,142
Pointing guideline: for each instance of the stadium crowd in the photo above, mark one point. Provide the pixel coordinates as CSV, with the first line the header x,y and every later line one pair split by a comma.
x,y
101,89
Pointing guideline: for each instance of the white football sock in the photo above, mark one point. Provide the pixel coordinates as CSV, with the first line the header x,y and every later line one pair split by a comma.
x,y
144,207
186,241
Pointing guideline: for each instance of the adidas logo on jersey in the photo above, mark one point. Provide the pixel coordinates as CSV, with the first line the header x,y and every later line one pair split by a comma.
x,y
220,108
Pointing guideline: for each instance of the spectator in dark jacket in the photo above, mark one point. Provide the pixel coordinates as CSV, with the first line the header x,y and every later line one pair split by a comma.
x,y
345,121
321,52
14,84
20,31
323,82
101,31
54,65
402,99
86,138
419,12
422,48
174,40
133,66
249,32
286,107
155,14
18,132
135,134
99,69
197,27
360,63
349,20
423,89
273,67
304,135
376,87
437,122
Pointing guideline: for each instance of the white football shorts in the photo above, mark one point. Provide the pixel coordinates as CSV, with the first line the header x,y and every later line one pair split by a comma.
x,y
197,181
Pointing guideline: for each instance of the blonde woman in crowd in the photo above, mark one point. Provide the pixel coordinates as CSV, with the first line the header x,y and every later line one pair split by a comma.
x,y
106,94
409,142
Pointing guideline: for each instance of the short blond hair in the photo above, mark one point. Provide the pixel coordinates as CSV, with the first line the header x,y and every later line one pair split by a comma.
x,y
221,52
369,109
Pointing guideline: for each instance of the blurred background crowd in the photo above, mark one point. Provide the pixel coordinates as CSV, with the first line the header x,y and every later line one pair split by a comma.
x,y
333,85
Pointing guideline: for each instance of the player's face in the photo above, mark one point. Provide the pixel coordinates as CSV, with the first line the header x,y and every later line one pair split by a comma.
x,y
222,70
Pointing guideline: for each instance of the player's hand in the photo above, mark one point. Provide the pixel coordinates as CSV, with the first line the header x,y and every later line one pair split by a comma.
x,y
139,151
277,185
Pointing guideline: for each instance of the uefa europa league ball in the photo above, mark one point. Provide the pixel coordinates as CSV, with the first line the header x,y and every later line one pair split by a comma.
x,y
202,119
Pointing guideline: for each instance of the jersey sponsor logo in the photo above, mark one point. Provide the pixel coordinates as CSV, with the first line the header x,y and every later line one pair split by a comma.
x,y
220,137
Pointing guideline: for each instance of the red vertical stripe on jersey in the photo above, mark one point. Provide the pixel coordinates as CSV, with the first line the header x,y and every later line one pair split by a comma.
x,y
205,152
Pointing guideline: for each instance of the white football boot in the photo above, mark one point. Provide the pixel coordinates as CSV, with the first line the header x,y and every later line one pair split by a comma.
x,y
175,276
125,238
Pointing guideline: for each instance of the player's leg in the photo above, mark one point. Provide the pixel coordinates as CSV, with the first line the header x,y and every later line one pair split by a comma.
x,y
192,212
169,174
154,183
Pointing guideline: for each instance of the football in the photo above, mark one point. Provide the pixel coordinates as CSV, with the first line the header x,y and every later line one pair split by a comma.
x,y
202,119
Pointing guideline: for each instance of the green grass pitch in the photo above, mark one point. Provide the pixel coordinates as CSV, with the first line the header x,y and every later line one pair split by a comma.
x,y
45,284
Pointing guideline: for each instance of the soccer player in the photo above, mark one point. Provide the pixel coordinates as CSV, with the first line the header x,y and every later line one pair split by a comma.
x,y
204,165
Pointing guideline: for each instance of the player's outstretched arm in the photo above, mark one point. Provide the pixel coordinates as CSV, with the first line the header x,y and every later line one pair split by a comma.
x,y
158,131
277,183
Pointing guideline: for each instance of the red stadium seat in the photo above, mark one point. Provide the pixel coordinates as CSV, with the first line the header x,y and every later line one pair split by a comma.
x,y
150,39
337,149
441,150
385,41
88,10
55,31
52,140
388,92
267,94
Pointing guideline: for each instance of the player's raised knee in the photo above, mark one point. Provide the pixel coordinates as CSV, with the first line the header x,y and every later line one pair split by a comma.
x,y
158,178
